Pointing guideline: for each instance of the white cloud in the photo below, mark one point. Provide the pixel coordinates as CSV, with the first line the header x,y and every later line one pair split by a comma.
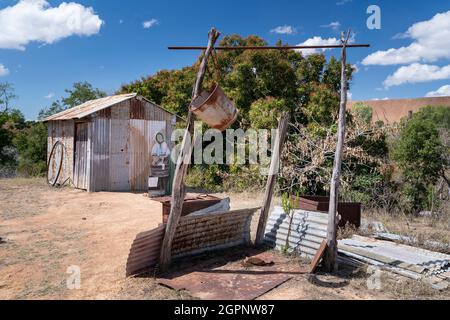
x,y
284,30
416,73
319,41
3,70
49,96
431,42
333,25
442,91
150,23
36,21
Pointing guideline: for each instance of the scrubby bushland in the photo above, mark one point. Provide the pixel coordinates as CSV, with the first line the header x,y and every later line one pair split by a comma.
x,y
422,152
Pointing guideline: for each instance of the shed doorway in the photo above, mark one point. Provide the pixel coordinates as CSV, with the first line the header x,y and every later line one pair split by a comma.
x,y
81,158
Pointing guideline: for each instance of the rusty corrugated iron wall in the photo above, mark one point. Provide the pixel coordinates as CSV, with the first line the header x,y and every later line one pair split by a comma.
x,y
122,141
194,235
119,143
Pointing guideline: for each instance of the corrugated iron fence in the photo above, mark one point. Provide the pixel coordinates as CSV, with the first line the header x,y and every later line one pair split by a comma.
x,y
194,235
303,234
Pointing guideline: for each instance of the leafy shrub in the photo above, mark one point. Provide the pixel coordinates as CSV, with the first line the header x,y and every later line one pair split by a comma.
x,y
419,153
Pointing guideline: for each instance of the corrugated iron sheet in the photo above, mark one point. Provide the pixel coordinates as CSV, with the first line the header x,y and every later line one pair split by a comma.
x,y
122,145
306,232
194,235
80,178
308,229
90,107
423,263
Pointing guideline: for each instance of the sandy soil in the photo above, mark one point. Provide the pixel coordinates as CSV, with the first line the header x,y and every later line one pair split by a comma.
x,y
45,231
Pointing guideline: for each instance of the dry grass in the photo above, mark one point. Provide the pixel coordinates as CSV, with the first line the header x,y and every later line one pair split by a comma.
x,y
45,230
424,229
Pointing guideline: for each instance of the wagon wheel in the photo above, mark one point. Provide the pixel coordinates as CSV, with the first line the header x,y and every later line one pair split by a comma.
x,y
54,164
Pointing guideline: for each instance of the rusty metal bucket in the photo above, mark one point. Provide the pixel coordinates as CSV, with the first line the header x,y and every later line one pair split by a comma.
x,y
215,109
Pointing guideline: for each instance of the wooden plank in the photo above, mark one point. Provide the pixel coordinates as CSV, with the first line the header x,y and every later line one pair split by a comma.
x,y
331,254
273,174
319,254
178,189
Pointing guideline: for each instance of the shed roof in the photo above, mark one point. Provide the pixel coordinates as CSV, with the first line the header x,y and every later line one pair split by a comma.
x,y
93,106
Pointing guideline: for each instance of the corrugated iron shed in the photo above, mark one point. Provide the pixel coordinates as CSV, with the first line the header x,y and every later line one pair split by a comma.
x,y
108,142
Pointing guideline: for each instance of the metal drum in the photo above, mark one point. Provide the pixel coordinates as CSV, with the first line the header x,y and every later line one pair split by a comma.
x,y
215,109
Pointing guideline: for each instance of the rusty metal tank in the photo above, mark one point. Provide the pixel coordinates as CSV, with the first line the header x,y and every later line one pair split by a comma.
x,y
215,109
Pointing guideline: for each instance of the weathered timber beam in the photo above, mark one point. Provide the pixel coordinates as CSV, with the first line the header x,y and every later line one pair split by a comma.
x,y
330,258
272,178
178,188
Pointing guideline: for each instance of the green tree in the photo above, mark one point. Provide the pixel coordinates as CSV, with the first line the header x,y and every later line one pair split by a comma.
x,y
264,113
7,94
323,106
31,144
55,108
261,84
80,93
11,121
419,153
439,115
362,111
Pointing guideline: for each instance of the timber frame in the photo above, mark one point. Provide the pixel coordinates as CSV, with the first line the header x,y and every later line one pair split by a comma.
x,y
178,190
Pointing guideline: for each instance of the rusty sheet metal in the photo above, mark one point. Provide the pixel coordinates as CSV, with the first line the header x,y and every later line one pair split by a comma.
x,y
350,212
192,203
233,281
215,109
121,145
144,252
80,175
194,235
211,231
119,148
119,140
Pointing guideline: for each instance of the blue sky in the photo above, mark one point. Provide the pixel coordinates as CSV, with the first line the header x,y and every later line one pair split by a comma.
x,y
41,56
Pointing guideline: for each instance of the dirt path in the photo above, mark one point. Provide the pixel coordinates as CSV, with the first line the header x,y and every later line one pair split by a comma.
x,y
45,231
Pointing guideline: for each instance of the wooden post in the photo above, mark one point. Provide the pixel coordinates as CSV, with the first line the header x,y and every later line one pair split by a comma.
x,y
273,174
330,258
178,188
